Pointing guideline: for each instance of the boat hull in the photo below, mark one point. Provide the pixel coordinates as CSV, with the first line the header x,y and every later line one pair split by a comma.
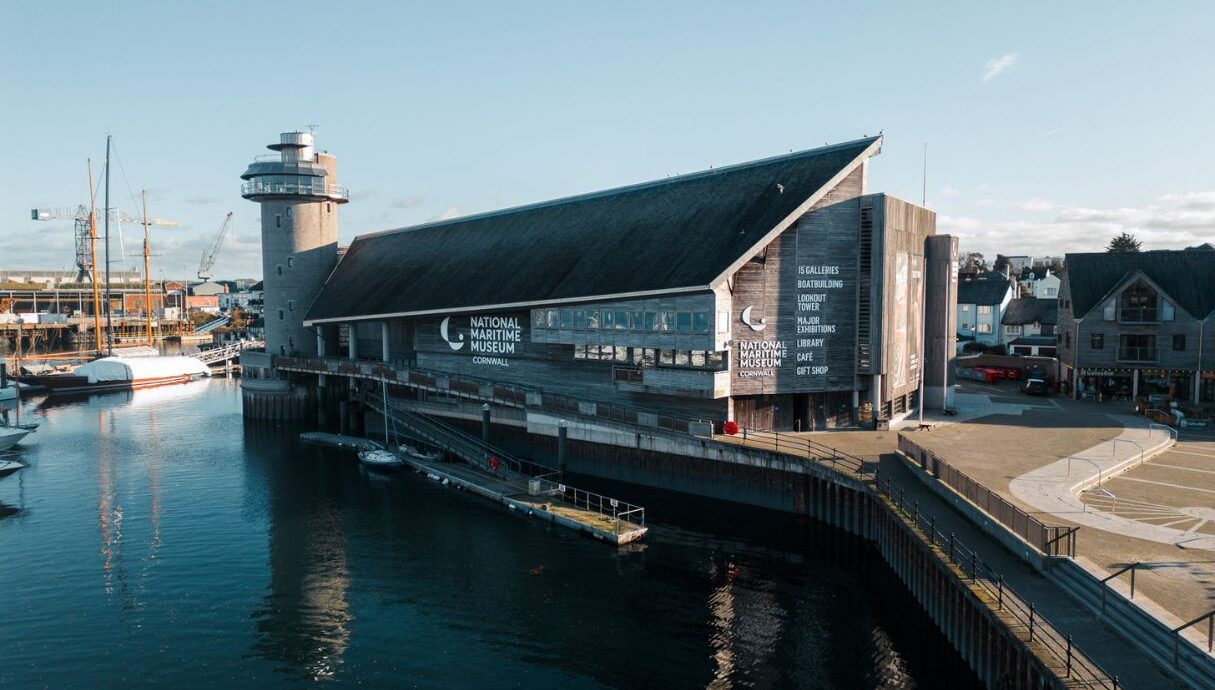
x,y
68,383
11,437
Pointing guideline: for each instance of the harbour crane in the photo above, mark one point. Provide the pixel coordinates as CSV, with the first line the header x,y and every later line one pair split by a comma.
x,y
208,256
85,224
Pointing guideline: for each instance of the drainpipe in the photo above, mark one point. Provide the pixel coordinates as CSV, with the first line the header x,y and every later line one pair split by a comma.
x,y
1076,362
1198,372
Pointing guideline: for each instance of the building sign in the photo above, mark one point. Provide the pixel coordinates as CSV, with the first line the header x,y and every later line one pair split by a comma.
x,y
794,320
491,340
759,358
818,287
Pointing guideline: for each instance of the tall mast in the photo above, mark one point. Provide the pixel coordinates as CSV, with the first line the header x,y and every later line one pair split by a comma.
x,y
147,277
109,316
93,258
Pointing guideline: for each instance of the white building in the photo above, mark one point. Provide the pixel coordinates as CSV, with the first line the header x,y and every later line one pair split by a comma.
x,y
981,306
1039,282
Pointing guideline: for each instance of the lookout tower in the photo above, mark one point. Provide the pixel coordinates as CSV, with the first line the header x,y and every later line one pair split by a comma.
x,y
299,195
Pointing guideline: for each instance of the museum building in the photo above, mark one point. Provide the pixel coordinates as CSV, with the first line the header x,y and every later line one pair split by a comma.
x,y
778,293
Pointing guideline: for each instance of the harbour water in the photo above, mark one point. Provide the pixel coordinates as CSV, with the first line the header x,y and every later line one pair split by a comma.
x,y
158,540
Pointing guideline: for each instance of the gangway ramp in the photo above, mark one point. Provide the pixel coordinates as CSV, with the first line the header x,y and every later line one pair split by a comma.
x,y
521,485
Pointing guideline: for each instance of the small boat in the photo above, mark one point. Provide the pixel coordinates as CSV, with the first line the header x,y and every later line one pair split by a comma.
x,y
380,460
124,373
7,467
11,436
424,455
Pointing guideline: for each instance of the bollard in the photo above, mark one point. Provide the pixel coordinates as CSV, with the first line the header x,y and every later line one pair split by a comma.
x,y
485,423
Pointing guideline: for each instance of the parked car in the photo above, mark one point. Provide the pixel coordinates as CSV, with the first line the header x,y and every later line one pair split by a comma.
x,y
1035,387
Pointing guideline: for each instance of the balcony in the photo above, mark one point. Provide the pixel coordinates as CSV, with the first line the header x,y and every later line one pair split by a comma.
x,y
1137,354
1139,315
304,186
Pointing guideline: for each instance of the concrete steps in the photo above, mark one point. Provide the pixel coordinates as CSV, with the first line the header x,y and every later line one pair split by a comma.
x,y
1141,622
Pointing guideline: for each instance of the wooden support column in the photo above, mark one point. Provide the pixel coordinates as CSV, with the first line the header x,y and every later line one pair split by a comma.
x,y
384,341
352,332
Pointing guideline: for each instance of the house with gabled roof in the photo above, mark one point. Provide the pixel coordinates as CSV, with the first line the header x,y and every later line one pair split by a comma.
x,y
1139,324
981,304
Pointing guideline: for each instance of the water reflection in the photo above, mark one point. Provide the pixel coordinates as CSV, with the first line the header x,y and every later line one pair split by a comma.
x,y
303,621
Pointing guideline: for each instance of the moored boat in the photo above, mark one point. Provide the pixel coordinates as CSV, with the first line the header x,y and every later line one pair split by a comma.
x,y
11,436
124,373
380,460
7,467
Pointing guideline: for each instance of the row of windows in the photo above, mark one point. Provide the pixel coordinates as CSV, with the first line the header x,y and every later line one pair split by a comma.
x,y
1097,341
649,357
984,309
624,320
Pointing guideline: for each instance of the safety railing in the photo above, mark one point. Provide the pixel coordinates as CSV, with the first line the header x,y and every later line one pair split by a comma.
x,y
1106,580
1077,666
793,444
623,514
1209,617
1051,540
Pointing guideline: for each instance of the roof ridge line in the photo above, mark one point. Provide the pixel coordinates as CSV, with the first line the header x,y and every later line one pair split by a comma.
x,y
637,186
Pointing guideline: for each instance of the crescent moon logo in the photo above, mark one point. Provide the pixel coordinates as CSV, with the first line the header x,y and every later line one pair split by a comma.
x,y
746,318
446,338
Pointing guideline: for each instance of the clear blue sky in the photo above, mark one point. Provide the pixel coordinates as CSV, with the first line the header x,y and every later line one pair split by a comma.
x,y
1050,126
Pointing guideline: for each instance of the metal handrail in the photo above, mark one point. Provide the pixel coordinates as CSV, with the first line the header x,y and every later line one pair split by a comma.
x,y
604,505
1079,667
1209,617
769,438
257,187
1105,580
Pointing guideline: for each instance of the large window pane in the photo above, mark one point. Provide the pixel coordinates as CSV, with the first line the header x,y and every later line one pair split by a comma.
x,y
567,319
592,318
579,318
700,322
622,319
683,322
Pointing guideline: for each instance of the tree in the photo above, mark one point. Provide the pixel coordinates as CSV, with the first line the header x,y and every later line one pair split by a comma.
x,y
1001,263
1056,267
973,262
1123,244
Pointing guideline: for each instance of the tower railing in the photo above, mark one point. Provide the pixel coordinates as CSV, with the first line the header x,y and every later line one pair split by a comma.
x,y
304,187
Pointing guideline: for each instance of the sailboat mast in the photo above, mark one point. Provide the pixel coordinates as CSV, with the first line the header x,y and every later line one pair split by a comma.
x,y
109,315
384,388
147,277
93,258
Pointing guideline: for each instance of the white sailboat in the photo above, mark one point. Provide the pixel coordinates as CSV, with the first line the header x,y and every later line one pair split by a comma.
x,y
12,435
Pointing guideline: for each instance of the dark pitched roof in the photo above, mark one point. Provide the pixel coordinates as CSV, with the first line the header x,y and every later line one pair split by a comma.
x,y
982,291
1025,310
1187,276
668,235
258,286
1035,340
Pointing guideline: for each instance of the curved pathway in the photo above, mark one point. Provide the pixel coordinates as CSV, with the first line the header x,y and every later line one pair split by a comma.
x,y
1056,488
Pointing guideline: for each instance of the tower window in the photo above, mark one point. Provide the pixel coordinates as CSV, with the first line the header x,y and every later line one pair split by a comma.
x,y
280,314
328,207
290,262
288,211
280,269
282,349
278,221
291,305
291,343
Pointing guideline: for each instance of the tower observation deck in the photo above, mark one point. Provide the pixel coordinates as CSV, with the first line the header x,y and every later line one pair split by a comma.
x,y
299,197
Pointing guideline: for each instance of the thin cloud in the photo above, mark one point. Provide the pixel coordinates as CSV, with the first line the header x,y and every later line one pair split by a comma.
x,y
1034,205
1173,221
949,191
448,214
996,66
408,202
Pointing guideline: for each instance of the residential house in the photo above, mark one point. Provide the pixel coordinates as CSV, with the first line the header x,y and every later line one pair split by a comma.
x,y
1039,282
981,304
1138,324
1028,326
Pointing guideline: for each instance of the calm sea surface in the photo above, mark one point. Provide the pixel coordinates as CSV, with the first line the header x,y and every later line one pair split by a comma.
x,y
156,540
